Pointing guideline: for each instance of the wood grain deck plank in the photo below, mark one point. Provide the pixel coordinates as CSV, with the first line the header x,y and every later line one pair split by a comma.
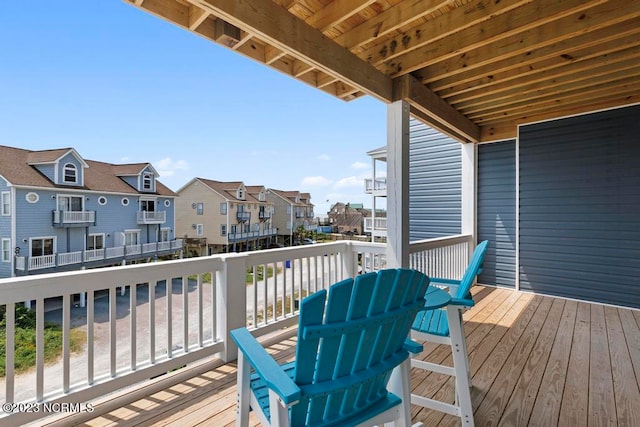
x,y
575,401
632,337
513,355
546,408
602,404
520,405
625,386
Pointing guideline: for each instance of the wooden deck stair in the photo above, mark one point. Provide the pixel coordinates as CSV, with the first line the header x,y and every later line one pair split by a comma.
x,y
535,360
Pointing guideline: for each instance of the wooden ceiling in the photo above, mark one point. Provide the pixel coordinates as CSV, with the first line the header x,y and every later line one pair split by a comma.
x,y
473,69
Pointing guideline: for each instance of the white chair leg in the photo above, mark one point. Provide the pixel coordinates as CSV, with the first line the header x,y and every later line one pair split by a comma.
x,y
279,412
463,395
244,390
399,385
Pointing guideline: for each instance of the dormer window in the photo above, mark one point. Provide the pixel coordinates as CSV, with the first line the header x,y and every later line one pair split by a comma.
x,y
261,196
147,181
70,173
240,194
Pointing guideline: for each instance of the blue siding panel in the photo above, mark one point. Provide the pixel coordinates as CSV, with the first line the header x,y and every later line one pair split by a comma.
x,y
435,183
579,203
496,210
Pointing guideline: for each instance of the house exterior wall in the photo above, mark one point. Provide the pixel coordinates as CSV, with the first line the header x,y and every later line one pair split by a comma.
x,y
47,170
435,189
6,229
282,215
579,189
496,212
211,219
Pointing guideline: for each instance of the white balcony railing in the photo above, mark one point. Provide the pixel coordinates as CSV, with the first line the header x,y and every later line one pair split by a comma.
x,y
74,217
91,255
375,185
146,217
375,224
176,313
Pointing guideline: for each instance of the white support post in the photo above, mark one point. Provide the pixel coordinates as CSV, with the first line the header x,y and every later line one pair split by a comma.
x,y
231,302
348,261
398,185
469,182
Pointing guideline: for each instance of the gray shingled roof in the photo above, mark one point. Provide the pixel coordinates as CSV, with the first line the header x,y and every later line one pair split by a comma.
x,y
15,167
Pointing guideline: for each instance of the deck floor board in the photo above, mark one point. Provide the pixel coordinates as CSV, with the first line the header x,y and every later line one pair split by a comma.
x,y
535,360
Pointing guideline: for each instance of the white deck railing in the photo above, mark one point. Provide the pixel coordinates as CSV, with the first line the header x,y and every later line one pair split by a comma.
x,y
78,257
174,313
379,224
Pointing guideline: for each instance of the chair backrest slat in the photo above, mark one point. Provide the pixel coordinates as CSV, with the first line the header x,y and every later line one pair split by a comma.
x,y
477,258
382,305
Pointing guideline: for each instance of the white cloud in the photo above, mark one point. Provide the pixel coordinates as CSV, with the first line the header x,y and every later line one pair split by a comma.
x,y
324,157
316,181
350,181
124,159
360,165
168,167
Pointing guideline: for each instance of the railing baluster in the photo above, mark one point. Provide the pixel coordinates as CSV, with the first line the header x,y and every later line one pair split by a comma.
x,y
152,321
185,313
66,326
112,329
133,338
10,351
199,285
255,293
169,295
213,310
39,349
90,336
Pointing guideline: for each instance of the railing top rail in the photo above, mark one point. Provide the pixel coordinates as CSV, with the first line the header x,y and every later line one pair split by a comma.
x,y
438,242
18,289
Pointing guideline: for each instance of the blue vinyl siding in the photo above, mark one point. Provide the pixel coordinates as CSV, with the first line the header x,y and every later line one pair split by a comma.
x,y
496,212
48,170
579,204
5,231
435,183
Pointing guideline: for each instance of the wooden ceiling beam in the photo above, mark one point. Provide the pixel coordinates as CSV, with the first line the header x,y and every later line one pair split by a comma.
x,y
391,19
498,35
606,16
290,34
588,45
196,17
614,51
459,24
336,12
420,98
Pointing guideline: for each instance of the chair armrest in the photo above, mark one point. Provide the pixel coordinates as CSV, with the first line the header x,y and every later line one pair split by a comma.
x,y
413,346
267,368
462,301
440,281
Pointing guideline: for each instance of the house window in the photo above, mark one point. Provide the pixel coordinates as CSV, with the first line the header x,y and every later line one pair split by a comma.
x,y
147,180
6,203
246,228
6,250
42,246
131,237
32,197
241,194
261,196
223,230
95,241
200,208
199,230
167,203
223,208
70,173
102,200
70,203
234,229
148,205
125,201
165,235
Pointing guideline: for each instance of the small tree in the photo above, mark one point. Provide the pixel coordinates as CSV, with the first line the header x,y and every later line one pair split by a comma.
x,y
300,233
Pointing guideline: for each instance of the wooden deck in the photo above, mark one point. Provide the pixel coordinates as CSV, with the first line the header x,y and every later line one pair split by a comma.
x,y
536,361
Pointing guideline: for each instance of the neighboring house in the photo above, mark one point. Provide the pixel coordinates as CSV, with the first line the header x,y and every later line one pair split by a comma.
x,y
376,186
216,217
62,212
293,209
348,218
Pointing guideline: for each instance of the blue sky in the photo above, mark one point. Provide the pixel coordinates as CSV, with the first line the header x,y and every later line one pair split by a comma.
x,y
120,85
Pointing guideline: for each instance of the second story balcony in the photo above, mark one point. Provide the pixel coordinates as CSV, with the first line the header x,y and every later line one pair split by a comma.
x,y
74,218
243,216
375,224
150,217
377,185
264,215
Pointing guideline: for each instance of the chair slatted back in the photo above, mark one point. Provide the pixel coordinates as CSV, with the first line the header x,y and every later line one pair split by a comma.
x,y
473,269
348,347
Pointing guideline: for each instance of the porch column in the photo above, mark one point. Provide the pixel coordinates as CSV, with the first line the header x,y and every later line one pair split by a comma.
x,y
398,185
231,302
469,180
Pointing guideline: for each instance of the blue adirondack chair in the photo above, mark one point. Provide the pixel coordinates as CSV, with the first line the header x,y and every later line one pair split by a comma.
x,y
445,326
348,346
